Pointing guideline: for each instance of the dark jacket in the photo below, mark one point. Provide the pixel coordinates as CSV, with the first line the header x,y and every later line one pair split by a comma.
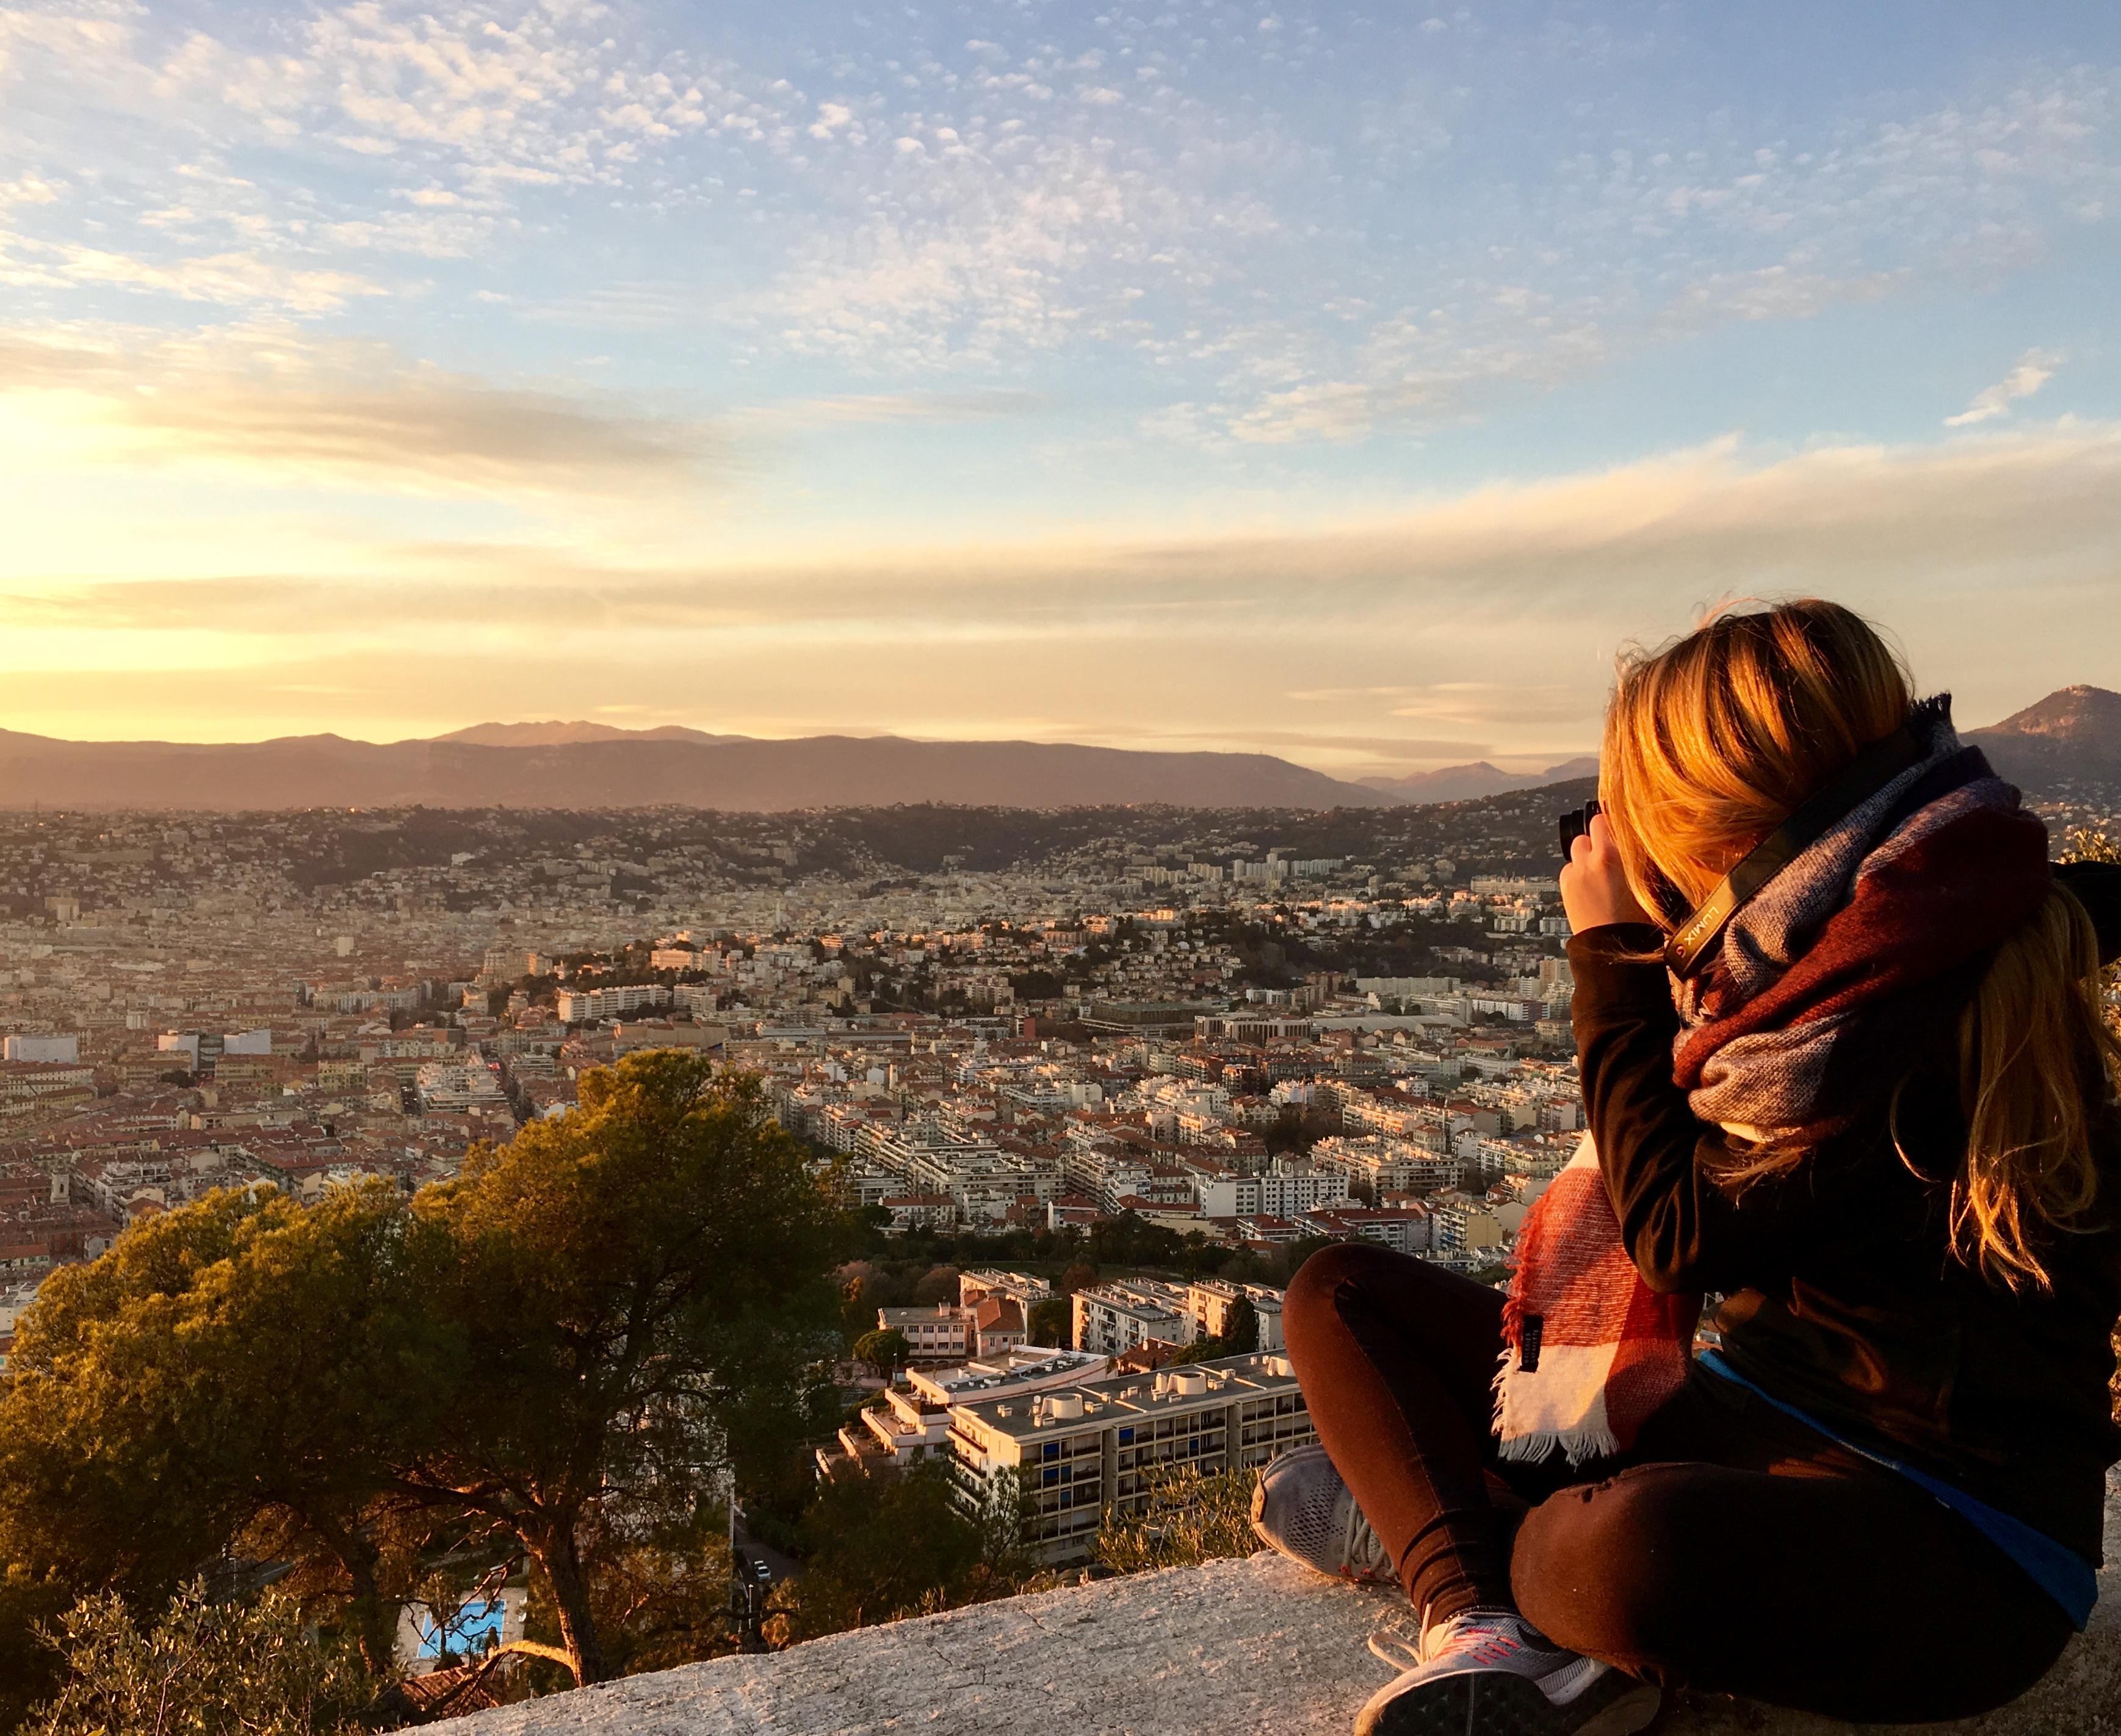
x,y
1841,1295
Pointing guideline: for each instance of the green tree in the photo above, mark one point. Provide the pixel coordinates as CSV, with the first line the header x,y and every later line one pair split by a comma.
x,y
1186,1519
890,1544
885,1350
203,1669
1241,1328
245,1371
561,1355
640,1289
1052,1322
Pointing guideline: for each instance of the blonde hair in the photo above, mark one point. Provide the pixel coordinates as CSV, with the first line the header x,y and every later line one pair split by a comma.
x,y
1712,742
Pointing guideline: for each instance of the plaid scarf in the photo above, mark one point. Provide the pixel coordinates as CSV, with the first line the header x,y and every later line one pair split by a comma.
x,y
1824,990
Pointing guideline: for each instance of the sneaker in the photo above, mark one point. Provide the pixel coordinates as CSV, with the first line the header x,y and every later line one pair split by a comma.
x,y
1489,1673
1301,1508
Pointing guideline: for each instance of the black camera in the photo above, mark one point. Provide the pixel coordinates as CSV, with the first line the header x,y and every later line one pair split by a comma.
x,y
1574,824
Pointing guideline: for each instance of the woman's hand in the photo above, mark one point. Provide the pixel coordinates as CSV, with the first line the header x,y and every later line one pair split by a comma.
x,y
1594,890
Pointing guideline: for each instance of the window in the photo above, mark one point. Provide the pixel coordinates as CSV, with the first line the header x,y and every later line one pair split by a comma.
x,y
1127,1437
1051,1450
1049,1479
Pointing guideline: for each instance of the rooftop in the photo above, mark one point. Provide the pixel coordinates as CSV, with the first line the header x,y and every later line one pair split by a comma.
x,y
1234,1647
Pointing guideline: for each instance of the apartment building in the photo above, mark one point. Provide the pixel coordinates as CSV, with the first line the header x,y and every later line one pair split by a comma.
x,y
976,1286
1111,1319
1386,1164
1284,1196
585,1006
1103,1444
1210,1300
956,1332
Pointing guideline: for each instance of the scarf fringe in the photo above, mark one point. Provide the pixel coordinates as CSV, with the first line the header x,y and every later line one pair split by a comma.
x,y
1581,1445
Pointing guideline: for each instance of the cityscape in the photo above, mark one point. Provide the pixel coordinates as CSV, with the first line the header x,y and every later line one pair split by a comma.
x,y
1207,870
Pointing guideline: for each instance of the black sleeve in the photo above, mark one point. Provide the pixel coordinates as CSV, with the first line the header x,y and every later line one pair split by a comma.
x,y
2098,888
1683,1231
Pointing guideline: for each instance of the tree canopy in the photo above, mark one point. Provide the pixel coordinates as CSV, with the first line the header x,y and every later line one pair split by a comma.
x,y
566,1356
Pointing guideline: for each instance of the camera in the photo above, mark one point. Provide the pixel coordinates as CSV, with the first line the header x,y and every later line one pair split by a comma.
x,y
1574,824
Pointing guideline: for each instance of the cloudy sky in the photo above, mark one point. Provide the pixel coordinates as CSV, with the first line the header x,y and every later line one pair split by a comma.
x,y
1345,381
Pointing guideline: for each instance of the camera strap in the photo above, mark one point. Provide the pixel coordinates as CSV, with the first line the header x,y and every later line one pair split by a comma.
x,y
1863,776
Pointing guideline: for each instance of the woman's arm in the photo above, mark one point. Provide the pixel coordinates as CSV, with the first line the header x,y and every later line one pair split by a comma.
x,y
1680,1229
2098,888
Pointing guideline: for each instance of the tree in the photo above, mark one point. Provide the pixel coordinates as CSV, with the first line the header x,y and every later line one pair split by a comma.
x,y
203,1669
938,1284
1052,1322
1186,1519
247,1371
1078,1276
640,1289
891,1544
885,1350
1241,1328
562,1355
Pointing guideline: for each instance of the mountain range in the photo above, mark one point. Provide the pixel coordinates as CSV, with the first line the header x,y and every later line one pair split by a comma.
x,y
2069,739
1469,783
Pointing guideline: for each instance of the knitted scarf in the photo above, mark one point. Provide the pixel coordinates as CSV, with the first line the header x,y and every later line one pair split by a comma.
x,y
1823,992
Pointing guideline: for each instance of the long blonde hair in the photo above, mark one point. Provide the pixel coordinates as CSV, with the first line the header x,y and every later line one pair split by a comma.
x,y
1712,741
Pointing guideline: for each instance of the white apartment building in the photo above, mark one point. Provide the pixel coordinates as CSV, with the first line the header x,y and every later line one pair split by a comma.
x,y
445,1086
941,1333
585,1006
977,1285
1103,1444
915,1424
65,1048
1389,1164
1111,1319
1464,1225
1402,1229
1283,1196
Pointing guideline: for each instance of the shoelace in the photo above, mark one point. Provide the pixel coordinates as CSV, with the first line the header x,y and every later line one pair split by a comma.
x,y
1364,1550
1486,1641
1410,1654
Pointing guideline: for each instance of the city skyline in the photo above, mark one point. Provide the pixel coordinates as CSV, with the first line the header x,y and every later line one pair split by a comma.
x,y
1345,388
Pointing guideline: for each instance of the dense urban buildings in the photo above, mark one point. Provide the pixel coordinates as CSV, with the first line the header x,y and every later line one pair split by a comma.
x,y
1255,1027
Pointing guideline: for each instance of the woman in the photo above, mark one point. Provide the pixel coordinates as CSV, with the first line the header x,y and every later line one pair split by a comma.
x,y
1874,1112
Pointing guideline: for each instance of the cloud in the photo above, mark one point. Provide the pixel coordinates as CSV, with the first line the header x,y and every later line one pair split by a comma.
x,y
1492,613
271,402
2035,369
855,408
233,278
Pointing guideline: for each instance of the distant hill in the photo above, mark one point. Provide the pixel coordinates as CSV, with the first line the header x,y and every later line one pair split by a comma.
x,y
2068,740
1469,783
560,735
645,769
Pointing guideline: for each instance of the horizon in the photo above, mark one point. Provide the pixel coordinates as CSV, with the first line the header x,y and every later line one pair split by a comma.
x,y
1273,378
1513,764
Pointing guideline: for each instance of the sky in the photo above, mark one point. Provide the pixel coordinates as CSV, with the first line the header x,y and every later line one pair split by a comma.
x,y
1343,382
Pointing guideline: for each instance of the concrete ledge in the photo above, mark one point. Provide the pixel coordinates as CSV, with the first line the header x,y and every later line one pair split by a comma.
x,y
1234,1647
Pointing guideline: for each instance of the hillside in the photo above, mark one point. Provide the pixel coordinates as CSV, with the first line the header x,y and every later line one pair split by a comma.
x,y
1469,783
556,733
645,771
2069,742
2065,744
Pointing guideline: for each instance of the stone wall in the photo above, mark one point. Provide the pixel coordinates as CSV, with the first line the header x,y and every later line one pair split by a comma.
x,y
1234,1647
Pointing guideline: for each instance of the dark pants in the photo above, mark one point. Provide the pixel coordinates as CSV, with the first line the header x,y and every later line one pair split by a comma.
x,y
1732,1550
